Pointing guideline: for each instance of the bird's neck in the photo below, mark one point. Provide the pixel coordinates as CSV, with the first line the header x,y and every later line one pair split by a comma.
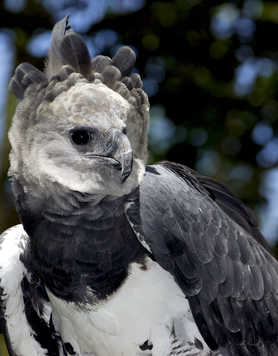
x,y
80,245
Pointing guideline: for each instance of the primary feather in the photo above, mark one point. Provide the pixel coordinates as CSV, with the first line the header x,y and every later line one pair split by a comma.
x,y
114,257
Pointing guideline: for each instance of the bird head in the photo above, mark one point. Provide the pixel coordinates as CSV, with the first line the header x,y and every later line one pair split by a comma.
x,y
81,124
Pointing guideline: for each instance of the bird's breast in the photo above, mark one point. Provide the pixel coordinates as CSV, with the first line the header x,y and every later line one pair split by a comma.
x,y
72,257
147,315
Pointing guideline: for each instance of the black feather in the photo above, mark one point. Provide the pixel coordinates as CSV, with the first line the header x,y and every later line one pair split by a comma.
x,y
45,332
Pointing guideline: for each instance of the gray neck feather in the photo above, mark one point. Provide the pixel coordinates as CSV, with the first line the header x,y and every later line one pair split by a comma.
x,y
78,242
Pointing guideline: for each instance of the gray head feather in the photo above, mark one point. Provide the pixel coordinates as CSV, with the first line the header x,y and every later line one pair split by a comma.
x,y
67,48
25,75
100,62
124,59
76,93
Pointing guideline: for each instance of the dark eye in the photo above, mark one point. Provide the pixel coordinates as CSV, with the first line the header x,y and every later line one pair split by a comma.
x,y
81,136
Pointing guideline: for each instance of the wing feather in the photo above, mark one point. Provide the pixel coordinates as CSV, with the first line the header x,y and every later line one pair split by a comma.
x,y
219,261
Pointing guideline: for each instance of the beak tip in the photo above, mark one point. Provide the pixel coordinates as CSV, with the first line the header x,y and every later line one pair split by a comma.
x,y
123,154
126,169
124,177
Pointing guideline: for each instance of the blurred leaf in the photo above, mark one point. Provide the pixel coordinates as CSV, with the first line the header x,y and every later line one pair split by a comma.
x,y
270,11
3,347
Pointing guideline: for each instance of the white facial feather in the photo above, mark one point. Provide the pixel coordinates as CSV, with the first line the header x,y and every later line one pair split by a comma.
x,y
46,153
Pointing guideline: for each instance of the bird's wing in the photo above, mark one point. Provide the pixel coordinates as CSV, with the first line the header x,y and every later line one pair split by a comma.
x,y
230,280
24,326
224,198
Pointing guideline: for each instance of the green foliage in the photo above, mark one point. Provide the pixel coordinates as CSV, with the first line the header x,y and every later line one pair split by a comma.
x,y
3,348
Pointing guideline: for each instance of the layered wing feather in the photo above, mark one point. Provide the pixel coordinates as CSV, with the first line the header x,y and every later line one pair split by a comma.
x,y
229,278
223,197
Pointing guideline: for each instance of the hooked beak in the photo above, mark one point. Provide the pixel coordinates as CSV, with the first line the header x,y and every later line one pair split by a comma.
x,y
119,152
123,154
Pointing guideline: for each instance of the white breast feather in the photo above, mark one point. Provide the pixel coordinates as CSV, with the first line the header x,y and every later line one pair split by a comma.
x,y
146,307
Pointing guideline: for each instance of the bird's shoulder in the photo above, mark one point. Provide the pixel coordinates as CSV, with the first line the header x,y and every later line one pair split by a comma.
x,y
166,177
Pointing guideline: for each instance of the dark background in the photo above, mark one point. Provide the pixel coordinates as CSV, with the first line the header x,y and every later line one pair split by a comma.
x,y
209,68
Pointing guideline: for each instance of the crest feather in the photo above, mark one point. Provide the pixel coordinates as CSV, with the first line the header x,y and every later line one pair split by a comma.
x,y
67,48
25,74
69,56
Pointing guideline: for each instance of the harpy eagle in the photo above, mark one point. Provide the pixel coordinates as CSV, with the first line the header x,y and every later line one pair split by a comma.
x,y
114,257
